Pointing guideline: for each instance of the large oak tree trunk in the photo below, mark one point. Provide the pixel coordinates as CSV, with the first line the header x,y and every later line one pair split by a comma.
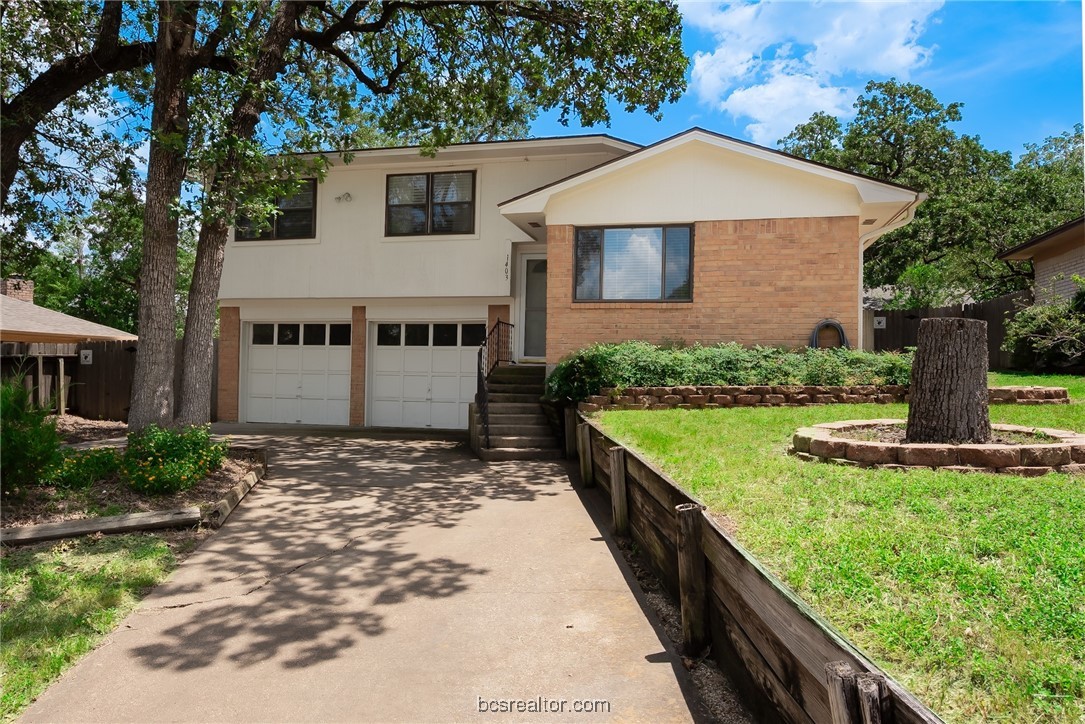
x,y
152,384
198,351
949,383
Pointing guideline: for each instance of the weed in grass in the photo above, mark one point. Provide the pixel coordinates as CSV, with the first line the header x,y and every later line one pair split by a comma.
x,y
969,588
58,601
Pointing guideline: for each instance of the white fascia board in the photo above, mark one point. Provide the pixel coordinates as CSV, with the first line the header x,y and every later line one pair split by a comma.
x,y
870,190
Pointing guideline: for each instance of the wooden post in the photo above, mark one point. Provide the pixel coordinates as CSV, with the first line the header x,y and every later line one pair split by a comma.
x,y
691,579
583,444
62,388
843,693
874,704
41,382
570,431
619,502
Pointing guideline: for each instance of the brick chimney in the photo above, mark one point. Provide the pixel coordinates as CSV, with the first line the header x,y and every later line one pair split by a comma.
x,y
18,288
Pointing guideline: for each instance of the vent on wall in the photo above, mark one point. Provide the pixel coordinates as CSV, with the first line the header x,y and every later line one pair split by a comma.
x,y
534,224
868,222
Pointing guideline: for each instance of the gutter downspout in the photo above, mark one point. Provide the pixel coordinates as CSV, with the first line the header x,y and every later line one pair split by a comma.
x,y
903,217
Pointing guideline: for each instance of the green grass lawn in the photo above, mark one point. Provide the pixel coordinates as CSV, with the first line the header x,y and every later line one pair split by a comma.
x,y
59,600
969,588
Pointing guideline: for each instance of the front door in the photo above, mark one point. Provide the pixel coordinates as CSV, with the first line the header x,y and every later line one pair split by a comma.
x,y
533,305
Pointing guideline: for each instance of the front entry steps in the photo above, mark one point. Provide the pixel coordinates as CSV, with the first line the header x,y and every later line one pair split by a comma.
x,y
518,427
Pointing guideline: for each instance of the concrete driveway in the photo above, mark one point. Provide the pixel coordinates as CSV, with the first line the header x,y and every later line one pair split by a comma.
x,y
376,579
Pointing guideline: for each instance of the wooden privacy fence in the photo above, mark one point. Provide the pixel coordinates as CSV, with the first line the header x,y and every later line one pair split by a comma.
x,y
902,325
98,386
771,642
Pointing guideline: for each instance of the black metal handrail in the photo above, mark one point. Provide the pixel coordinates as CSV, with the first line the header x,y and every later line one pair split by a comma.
x,y
496,349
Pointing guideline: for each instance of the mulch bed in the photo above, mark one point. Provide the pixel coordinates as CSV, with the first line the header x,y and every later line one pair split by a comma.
x,y
47,504
74,429
896,434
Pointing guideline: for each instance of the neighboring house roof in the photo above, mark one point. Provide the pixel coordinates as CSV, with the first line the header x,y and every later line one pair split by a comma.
x,y
26,322
1067,232
530,206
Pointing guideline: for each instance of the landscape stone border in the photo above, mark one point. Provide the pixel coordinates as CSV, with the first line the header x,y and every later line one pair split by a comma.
x,y
221,511
819,444
707,397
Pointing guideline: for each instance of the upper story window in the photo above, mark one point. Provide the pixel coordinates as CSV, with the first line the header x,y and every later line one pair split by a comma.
x,y
295,218
643,263
430,203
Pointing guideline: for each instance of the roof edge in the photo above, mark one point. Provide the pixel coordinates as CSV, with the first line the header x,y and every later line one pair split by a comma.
x,y
613,140
714,134
1041,238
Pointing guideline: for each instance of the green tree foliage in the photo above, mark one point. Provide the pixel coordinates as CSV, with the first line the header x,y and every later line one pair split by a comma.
x,y
91,270
980,202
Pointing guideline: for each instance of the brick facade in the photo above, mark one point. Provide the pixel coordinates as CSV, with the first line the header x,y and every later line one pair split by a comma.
x,y
229,363
755,281
497,312
358,335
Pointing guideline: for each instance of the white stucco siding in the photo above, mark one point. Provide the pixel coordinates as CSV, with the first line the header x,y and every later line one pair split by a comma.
x,y
699,181
351,257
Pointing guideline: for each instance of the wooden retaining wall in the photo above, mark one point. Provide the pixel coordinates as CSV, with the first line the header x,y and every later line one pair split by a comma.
x,y
771,643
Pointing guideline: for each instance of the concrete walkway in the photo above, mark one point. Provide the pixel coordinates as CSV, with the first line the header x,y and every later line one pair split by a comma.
x,y
375,579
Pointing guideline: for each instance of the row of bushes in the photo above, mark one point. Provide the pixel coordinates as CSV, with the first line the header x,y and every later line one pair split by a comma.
x,y
156,461
640,364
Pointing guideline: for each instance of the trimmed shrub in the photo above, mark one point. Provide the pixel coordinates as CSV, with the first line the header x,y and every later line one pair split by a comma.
x,y
29,444
83,468
640,364
162,461
1049,336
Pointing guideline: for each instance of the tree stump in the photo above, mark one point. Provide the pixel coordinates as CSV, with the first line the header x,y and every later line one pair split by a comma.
x,y
949,383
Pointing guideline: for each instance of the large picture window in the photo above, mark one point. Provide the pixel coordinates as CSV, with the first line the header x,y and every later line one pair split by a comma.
x,y
430,203
643,263
294,219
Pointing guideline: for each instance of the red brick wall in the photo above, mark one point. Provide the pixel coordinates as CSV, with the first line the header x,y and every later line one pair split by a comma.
x,y
496,312
358,334
756,281
229,363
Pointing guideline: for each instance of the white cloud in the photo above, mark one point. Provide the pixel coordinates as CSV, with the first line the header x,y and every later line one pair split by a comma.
x,y
776,63
782,101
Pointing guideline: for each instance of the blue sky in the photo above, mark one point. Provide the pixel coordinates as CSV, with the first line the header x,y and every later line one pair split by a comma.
x,y
758,69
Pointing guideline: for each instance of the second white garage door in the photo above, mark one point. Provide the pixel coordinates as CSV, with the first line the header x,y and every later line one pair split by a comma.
x,y
424,374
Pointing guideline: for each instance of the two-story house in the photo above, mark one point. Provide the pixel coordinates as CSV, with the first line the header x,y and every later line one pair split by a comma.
x,y
366,301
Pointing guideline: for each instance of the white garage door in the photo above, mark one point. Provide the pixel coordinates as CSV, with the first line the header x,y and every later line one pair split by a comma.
x,y
423,374
298,373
